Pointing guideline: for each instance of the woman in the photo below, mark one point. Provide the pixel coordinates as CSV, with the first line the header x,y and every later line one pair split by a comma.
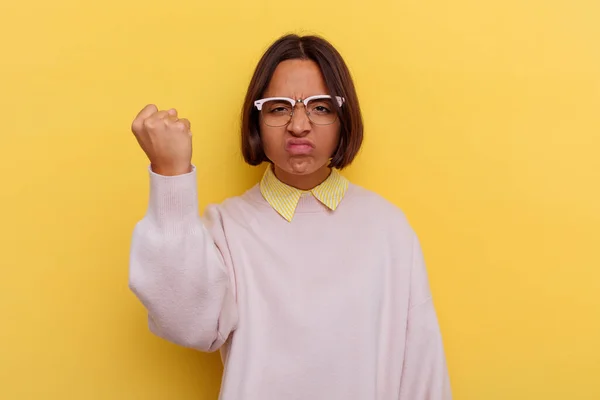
x,y
312,287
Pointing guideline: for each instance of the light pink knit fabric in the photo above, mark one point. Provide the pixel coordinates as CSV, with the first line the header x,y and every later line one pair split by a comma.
x,y
331,306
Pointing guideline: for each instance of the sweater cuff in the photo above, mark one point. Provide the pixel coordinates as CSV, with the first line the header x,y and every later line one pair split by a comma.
x,y
173,204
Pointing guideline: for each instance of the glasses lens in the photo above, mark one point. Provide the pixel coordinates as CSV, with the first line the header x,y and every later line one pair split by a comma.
x,y
321,111
276,112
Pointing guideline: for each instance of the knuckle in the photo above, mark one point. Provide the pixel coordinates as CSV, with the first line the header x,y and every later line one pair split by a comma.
x,y
180,126
185,123
149,123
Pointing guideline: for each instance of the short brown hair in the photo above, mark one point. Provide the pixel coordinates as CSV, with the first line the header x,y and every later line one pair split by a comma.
x,y
337,79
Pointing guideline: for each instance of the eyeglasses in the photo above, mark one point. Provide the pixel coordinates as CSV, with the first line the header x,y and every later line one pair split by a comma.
x,y
278,111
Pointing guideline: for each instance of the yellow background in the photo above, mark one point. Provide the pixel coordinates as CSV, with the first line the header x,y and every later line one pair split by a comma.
x,y
482,124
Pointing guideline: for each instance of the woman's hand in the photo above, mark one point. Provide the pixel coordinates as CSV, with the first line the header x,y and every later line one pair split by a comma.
x,y
166,140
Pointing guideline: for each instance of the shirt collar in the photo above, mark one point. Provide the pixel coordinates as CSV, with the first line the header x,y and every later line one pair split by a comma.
x,y
284,198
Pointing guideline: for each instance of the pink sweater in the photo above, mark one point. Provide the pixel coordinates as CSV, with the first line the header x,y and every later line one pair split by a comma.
x,y
332,306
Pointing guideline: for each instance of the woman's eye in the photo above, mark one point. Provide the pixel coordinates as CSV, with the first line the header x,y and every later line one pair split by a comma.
x,y
279,108
320,109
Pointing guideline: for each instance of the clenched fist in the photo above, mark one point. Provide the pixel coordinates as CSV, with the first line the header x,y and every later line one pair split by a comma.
x,y
166,140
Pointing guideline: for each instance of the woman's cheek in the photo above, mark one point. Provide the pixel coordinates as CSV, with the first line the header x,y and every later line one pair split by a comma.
x,y
271,145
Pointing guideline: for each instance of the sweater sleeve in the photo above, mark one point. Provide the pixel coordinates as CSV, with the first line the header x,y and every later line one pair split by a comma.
x,y
424,374
178,268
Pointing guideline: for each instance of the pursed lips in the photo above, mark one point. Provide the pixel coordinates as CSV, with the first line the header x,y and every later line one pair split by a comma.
x,y
299,146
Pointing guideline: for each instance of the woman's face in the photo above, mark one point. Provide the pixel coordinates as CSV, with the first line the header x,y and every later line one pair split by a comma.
x,y
300,150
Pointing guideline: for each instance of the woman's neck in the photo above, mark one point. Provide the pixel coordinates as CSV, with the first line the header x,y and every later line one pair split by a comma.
x,y
305,181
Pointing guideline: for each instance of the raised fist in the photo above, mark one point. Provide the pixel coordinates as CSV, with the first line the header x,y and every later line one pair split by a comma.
x,y
166,140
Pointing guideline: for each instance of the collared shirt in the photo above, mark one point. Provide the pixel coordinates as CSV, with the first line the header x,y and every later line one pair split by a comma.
x,y
284,198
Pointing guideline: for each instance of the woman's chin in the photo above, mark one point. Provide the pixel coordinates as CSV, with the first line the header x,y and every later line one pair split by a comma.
x,y
301,167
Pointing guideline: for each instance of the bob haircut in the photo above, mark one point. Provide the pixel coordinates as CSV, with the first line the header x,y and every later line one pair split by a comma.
x,y
337,79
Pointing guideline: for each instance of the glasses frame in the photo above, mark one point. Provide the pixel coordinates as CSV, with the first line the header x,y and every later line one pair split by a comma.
x,y
340,100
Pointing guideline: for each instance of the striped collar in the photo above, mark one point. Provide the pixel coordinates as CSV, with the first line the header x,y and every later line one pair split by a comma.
x,y
284,198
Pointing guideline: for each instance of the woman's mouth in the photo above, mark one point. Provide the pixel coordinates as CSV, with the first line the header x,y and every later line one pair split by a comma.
x,y
299,146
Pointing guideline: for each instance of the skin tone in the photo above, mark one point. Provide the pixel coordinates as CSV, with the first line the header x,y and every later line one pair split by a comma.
x,y
301,150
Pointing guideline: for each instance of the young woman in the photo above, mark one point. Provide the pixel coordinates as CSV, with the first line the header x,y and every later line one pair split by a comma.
x,y
310,286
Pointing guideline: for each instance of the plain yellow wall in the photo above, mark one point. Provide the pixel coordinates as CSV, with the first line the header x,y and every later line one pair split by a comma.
x,y
482,124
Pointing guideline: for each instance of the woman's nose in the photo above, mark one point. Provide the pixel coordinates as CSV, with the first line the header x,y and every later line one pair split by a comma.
x,y
299,124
